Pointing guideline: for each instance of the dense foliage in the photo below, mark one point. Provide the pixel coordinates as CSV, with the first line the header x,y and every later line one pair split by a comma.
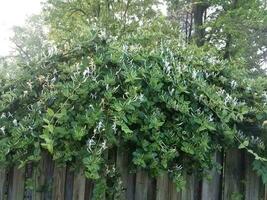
x,y
169,104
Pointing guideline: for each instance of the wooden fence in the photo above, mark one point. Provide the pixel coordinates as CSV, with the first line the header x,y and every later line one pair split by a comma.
x,y
236,181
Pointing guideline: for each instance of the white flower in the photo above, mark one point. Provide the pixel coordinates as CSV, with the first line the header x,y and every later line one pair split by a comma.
x,y
211,119
221,92
15,122
264,96
90,143
114,127
99,126
29,83
53,80
3,130
9,114
104,145
141,97
167,67
3,115
194,74
233,84
87,72
25,92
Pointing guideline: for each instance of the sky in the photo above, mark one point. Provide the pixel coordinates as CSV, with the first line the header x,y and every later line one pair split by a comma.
x,y
13,13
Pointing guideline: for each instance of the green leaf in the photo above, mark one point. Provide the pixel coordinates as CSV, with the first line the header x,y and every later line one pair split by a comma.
x,y
50,112
243,144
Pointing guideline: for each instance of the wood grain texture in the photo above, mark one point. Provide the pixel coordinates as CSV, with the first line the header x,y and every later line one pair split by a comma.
x,y
162,187
211,189
59,183
69,183
191,190
79,186
16,186
128,178
2,182
141,185
252,181
233,175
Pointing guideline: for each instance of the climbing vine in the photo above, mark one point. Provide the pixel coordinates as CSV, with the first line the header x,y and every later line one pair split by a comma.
x,y
169,106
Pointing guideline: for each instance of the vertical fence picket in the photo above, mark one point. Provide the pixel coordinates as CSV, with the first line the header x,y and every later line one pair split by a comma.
x,y
211,189
141,185
58,190
252,181
162,187
79,186
191,191
69,183
89,189
2,182
47,169
151,194
173,193
233,175
128,179
16,186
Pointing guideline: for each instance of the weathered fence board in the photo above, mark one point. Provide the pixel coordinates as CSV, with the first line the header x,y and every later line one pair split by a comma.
x,y
89,188
16,186
141,185
128,179
79,186
2,182
211,189
47,169
252,181
237,181
162,187
233,175
59,183
69,184
191,190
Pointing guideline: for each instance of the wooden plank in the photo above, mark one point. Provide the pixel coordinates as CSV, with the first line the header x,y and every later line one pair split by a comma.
x,y
38,180
16,187
58,190
191,190
152,185
79,186
89,189
2,182
42,176
173,193
162,187
252,181
28,193
233,175
141,185
211,189
128,178
69,183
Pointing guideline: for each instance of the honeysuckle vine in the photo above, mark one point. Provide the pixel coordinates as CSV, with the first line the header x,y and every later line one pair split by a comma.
x,y
170,107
